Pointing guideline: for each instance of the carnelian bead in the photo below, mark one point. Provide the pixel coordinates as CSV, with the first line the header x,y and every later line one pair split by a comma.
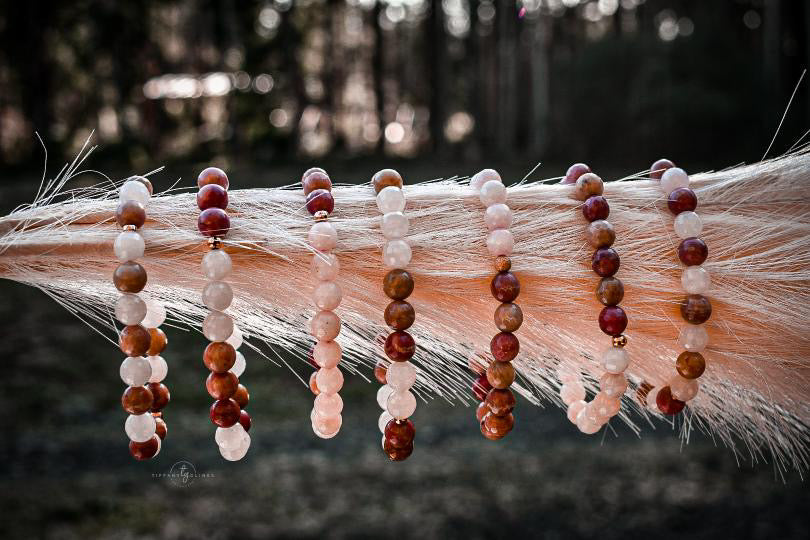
x,y
219,356
384,178
213,222
161,429
481,387
221,385
224,412
157,341
690,365
659,168
668,404
400,346
399,315
130,213
212,196
501,374
682,200
505,287
160,396
315,178
213,175
245,420
481,411
399,433
574,172
320,200
129,277
241,396
397,454
398,284
504,346
380,371
612,320
693,251
499,425
144,450
136,400
500,402
134,340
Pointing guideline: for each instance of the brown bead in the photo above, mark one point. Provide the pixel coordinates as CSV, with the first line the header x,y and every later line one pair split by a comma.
x,y
224,412
696,309
504,346
612,320
397,454
313,384
610,291
129,277
499,425
161,429
690,365
500,402
221,385
160,396
481,387
659,168
316,179
130,213
503,263
487,433
400,346
399,433
213,222
682,200
600,234
212,175
145,181
212,196
481,411
574,172
588,185
384,178
310,171
320,200
508,317
245,420
605,262
219,356
398,284
500,374
380,372
399,315
693,251
157,341
596,208
668,404
136,399
241,396
134,340
505,287
144,450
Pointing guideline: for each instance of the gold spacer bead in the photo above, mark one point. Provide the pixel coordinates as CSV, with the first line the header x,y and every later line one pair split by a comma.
x,y
620,341
129,228
214,243
321,215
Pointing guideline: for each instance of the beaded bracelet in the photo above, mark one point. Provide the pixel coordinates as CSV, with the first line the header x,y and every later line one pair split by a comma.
x,y
494,414
325,325
131,310
395,396
220,356
590,417
695,307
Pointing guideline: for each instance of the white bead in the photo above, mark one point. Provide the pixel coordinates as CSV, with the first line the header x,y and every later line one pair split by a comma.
x,y
230,438
238,453
135,370
155,313
482,177
401,404
236,338
323,236
217,295
385,417
239,365
383,393
128,246
493,192
216,265
394,225
498,216
396,254
217,326
673,179
130,309
693,338
391,199
327,295
400,375
133,190
159,368
688,225
140,427
615,360
325,266
695,280
500,242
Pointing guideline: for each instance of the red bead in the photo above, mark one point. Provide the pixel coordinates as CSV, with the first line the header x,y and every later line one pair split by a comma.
x,y
380,371
504,346
399,433
397,454
137,399
224,412
161,429
605,262
682,200
213,175
212,196
213,222
221,385
693,251
144,450
668,404
574,172
160,396
320,200
659,168
613,320
315,179
595,207
505,287
501,402
241,396
245,420
481,387
482,409
400,346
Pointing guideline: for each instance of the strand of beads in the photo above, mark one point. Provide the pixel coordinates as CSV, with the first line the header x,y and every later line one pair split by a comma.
x,y
155,316
400,403
495,416
589,417
696,308
130,309
325,324
220,356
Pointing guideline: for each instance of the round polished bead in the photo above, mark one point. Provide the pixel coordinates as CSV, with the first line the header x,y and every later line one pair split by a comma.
x,y
216,265
647,397
136,400
128,246
241,396
500,242
693,338
130,309
159,368
587,421
383,393
499,425
237,453
381,372
386,178
574,172
161,429
129,277
493,192
574,410
605,407
394,225
668,404
132,190
659,168
688,225
324,326
312,170
682,200
596,208
696,309
588,185
397,454
236,338
145,450
330,380
481,410
674,178
212,175
500,402
612,320
481,387
503,263
398,284
328,404
399,315
160,396
327,353
391,199
130,213
508,317
158,341
315,178
327,295
613,385
615,360
140,427
325,266
135,370
498,216
504,346
217,326
219,357
212,196
224,413
230,438
145,181
134,340
155,313
217,295
323,236
600,234
501,374
605,262
313,383
320,200
505,287
683,389
695,280
245,420
567,373
397,254
610,291
213,222
399,433
482,177
400,346
690,365
572,391
401,375
239,365
401,404
221,385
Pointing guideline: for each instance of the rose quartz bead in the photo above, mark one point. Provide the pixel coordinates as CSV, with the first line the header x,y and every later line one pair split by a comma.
x,y
613,385
574,409
328,404
383,393
394,225
567,373
325,266
605,407
236,338
688,225
615,360
130,309
216,265
324,326
385,417
693,338
401,375
313,383
674,178
322,236
132,190
586,422
217,326
391,199
401,404
327,353
329,380
574,172
327,295
695,280
498,216
396,254
572,391
128,246
493,192
327,427
683,389
217,295
651,398
482,177
500,242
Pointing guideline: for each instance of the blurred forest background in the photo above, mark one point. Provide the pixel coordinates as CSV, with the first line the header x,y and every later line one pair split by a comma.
x,y
432,87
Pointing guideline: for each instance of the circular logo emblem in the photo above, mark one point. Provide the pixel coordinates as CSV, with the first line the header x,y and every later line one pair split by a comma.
x,y
182,474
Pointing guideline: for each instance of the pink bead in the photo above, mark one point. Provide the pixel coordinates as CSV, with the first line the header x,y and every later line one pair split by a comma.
x,y
586,422
498,216
327,295
605,407
324,326
401,404
574,172
574,409
328,404
400,375
329,380
325,266
323,236
567,373
482,177
327,353
613,384
683,389
326,427
500,242
572,391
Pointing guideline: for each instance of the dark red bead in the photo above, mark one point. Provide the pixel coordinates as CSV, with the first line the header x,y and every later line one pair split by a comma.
x,y
400,346
380,372
574,172
245,420
224,412
504,346
214,222
144,450
481,387
682,200
605,262
595,207
399,433
315,178
213,175
320,200
397,454
501,402
613,320
668,404
161,429
160,396
212,196
659,168
505,287
693,251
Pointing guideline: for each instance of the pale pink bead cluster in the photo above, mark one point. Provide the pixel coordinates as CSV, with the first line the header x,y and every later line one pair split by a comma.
x,y
498,216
